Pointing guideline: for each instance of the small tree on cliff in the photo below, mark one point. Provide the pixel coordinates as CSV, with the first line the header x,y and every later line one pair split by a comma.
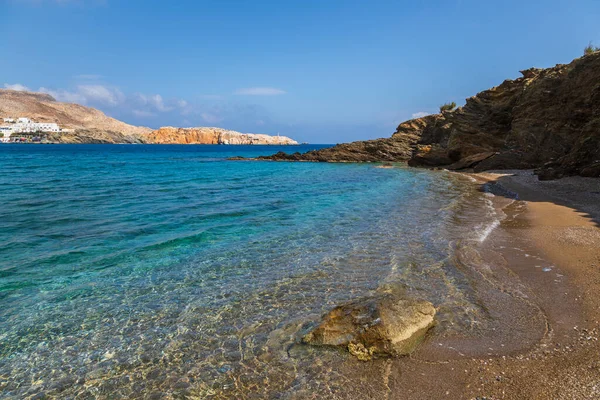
x,y
589,49
447,107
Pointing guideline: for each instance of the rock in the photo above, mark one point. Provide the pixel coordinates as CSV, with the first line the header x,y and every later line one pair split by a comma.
x,y
429,156
202,135
505,160
93,136
384,324
359,351
592,170
378,150
470,161
547,114
548,174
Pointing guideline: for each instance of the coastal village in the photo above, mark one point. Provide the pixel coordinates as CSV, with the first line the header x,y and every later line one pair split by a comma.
x,y
19,130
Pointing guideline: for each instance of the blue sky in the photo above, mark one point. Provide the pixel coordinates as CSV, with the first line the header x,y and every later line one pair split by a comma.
x,y
318,71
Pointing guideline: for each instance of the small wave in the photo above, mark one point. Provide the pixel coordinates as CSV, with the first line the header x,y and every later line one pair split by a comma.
x,y
485,232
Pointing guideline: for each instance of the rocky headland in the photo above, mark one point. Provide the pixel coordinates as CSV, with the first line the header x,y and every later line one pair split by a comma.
x,y
171,135
89,125
548,119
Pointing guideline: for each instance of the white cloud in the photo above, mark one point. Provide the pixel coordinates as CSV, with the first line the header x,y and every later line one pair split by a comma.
x,y
138,104
88,94
206,110
101,94
420,114
211,118
64,95
16,86
259,91
155,101
142,113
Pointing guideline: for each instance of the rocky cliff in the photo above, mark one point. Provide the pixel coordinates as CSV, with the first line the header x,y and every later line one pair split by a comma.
x,y
548,119
170,135
93,136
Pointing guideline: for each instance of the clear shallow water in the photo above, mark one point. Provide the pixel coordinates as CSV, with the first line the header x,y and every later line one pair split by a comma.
x,y
167,271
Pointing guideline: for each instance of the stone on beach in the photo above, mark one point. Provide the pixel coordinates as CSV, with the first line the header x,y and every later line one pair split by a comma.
x,y
385,324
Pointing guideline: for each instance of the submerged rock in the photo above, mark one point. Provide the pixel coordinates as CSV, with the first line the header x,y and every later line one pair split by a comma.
x,y
385,324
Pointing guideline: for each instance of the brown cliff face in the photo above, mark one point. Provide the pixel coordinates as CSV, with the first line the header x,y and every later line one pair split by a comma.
x,y
93,136
548,119
367,151
170,135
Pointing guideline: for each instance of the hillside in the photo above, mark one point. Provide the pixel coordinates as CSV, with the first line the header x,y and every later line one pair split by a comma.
x,y
548,119
42,107
93,126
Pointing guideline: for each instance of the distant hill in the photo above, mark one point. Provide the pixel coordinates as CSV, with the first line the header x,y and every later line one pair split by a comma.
x,y
42,107
93,126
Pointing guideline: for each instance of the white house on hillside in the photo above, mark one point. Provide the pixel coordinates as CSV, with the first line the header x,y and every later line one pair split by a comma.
x,y
5,133
25,125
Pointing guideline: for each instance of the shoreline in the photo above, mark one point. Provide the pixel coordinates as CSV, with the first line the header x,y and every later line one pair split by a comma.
x,y
558,265
560,220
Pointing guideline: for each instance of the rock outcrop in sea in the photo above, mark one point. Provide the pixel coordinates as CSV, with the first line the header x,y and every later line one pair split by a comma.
x,y
201,135
385,324
548,119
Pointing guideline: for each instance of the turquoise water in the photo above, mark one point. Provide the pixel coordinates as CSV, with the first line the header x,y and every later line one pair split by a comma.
x,y
168,271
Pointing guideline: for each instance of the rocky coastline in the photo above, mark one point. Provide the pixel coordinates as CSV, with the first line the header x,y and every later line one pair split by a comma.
x,y
202,135
547,120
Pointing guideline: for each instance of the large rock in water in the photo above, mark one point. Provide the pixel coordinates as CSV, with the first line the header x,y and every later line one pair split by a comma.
x,y
385,324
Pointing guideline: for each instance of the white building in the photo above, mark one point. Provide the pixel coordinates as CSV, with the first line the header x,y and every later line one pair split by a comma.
x,y
5,132
32,127
25,125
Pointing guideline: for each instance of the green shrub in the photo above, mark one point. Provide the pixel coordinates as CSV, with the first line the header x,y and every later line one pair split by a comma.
x,y
448,107
589,49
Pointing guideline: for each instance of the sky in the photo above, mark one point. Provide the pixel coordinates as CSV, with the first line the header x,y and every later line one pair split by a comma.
x,y
317,71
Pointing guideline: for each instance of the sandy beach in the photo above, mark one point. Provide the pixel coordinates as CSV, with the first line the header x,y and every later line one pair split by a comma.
x,y
562,220
549,242
559,223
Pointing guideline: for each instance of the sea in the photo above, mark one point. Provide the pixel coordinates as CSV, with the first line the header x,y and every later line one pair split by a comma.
x,y
169,271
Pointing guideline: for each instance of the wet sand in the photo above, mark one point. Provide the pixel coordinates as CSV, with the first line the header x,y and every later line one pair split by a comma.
x,y
548,286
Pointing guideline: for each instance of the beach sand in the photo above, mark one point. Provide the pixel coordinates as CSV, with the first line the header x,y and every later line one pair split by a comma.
x,y
562,220
550,242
